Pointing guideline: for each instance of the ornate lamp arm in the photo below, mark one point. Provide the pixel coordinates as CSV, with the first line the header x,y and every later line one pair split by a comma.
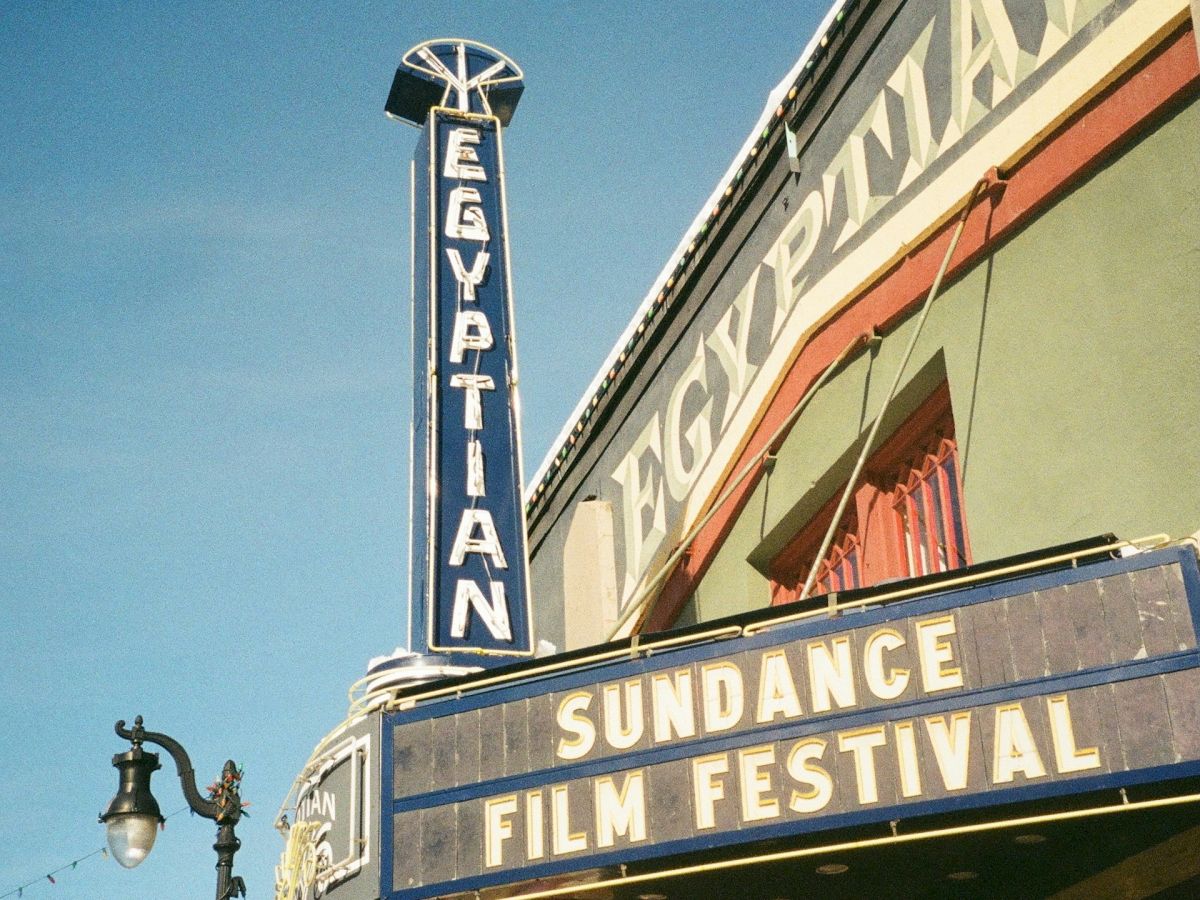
x,y
183,765
225,809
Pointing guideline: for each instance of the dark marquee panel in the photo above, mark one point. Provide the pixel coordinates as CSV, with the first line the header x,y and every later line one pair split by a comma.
x,y
1014,690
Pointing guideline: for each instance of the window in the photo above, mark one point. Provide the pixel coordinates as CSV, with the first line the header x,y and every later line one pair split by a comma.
x,y
839,570
905,518
928,508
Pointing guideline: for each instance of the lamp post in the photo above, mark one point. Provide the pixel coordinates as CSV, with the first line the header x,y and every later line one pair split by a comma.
x,y
133,816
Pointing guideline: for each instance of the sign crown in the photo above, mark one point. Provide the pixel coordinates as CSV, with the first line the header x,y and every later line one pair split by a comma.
x,y
455,73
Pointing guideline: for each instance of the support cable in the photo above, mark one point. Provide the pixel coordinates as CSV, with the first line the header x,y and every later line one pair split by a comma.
x,y
20,889
990,178
751,465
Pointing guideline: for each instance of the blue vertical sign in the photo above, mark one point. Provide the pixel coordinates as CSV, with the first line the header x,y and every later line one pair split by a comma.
x,y
469,599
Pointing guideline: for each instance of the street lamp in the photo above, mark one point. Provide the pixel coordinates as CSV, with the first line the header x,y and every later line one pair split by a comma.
x,y
133,816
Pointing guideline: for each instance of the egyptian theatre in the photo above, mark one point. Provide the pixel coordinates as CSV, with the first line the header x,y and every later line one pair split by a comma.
x,y
869,556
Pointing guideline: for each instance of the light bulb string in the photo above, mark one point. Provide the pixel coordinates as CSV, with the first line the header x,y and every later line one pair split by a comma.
x,y
19,890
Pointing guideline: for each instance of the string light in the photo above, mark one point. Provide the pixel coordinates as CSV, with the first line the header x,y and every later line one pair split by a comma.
x,y
102,852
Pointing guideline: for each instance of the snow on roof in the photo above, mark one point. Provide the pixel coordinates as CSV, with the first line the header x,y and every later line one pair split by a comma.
x,y
560,449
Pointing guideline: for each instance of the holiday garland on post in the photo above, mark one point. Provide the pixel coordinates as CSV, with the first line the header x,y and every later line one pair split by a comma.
x,y
225,792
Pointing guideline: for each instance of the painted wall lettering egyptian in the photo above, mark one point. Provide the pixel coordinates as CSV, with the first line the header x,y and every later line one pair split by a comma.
x,y
947,78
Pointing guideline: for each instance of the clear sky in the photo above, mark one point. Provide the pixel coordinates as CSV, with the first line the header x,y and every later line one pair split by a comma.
x,y
204,385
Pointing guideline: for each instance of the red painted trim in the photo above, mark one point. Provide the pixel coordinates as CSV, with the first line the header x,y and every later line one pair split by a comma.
x,y
1077,148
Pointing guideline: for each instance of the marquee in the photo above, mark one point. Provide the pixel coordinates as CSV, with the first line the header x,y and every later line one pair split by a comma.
x,y
1057,682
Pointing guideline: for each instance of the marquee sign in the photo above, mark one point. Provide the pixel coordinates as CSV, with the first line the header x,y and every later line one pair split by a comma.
x,y
1059,682
469,582
332,845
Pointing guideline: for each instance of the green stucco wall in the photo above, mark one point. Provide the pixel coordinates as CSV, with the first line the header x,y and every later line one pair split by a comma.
x,y
1071,355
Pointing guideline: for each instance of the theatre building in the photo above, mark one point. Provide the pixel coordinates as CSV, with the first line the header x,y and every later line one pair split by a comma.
x,y
869,554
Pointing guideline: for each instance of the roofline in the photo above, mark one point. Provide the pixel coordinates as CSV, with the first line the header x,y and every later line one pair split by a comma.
x,y
776,97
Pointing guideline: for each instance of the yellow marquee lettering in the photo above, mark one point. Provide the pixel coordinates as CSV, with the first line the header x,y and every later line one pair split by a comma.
x,y
886,684
562,839
862,743
572,719
802,767
724,699
535,826
708,787
776,689
936,654
498,827
623,723
620,812
1014,749
1067,756
671,696
951,744
906,756
831,674
754,773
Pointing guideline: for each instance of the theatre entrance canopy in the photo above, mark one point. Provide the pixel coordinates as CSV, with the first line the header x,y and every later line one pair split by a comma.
x,y
1016,730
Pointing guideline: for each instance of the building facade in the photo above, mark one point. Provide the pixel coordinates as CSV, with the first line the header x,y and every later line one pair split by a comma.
x,y
1041,363
870,553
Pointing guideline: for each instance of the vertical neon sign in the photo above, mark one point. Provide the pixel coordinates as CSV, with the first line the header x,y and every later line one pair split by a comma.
x,y
469,593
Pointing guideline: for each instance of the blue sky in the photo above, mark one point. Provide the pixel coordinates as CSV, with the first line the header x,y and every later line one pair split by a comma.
x,y
204,385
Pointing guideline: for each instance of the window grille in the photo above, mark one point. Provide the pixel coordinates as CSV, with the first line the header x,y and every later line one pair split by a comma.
x,y
906,518
928,507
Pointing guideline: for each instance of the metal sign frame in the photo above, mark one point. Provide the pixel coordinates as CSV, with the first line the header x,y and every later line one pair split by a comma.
x,y
542,773
434,601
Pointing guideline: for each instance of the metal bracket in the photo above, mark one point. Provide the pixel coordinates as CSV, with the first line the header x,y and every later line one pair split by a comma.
x,y
793,149
768,462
